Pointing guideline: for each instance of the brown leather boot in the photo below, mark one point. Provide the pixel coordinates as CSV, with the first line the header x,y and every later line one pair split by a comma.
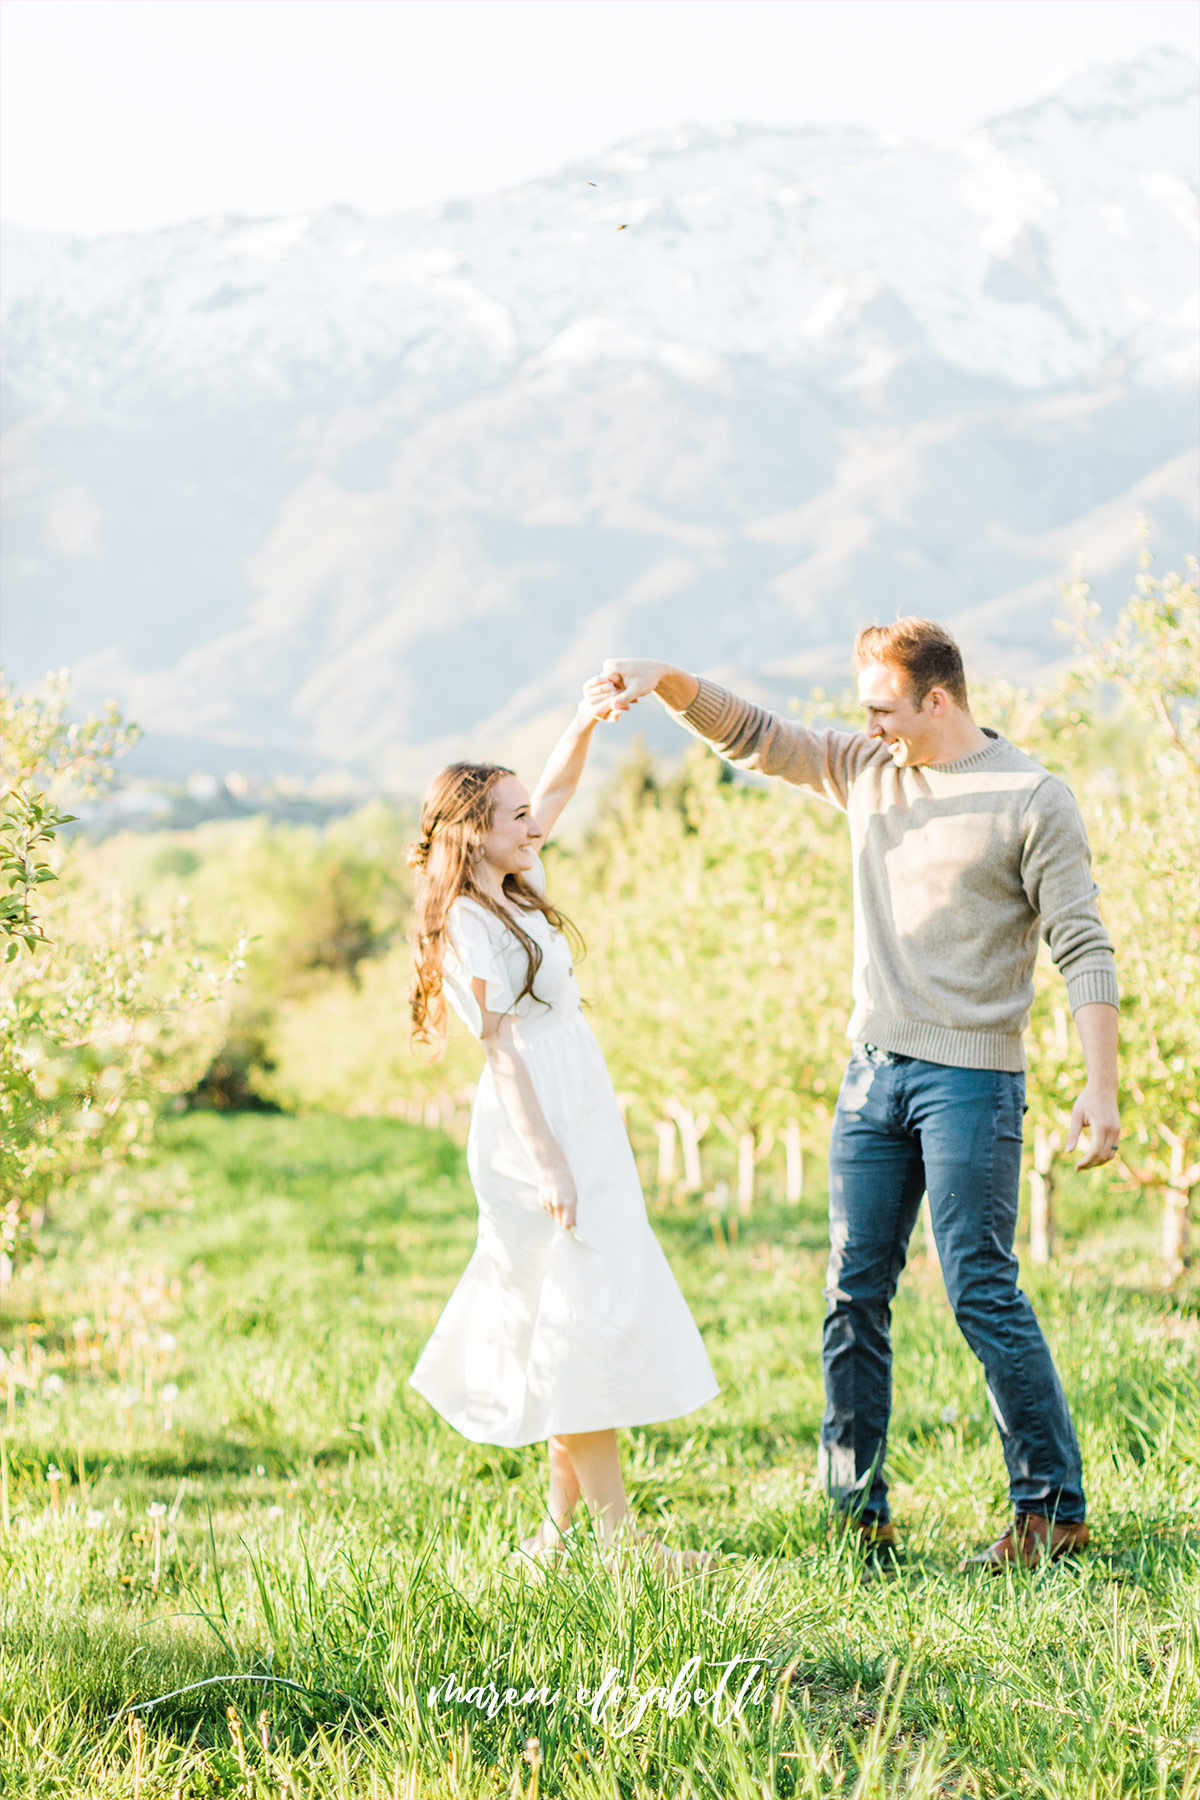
x,y
872,1537
1030,1537
878,1539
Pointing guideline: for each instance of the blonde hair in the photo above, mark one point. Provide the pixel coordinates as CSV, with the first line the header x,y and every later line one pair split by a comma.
x,y
924,650
456,813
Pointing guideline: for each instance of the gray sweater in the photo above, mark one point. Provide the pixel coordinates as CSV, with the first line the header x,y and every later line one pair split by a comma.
x,y
957,866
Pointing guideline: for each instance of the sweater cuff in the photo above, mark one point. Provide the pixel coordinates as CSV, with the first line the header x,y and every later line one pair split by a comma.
x,y
1094,986
707,710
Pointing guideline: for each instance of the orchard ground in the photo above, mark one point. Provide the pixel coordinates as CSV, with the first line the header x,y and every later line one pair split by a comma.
x,y
214,1468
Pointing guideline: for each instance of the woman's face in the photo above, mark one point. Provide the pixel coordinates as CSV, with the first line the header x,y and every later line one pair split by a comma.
x,y
511,841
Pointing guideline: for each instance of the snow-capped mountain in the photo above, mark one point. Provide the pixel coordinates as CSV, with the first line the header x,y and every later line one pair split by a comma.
x,y
329,490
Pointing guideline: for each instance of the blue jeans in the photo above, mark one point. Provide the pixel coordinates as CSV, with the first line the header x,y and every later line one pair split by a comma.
x,y
904,1127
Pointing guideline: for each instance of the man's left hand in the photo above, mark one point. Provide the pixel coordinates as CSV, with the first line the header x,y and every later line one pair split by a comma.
x,y
1098,1111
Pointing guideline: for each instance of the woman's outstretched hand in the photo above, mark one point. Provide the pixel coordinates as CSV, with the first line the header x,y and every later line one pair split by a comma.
x,y
556,1192
625,679
603,699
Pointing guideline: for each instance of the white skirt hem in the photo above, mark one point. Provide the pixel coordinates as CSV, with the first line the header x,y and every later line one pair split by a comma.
x,y
467,1427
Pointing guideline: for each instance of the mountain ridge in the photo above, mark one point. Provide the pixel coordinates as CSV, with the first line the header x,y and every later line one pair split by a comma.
x,y
320,486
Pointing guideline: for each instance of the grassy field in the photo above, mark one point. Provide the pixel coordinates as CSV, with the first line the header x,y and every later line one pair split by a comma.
x,y
215,1472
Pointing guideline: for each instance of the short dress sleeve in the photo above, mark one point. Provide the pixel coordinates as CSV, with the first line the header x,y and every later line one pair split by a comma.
x,y
477,946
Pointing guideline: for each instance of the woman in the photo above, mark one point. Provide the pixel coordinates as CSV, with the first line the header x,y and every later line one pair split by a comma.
x,y
568,1322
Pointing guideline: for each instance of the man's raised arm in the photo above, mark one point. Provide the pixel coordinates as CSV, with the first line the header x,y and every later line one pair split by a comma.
x,y
746,735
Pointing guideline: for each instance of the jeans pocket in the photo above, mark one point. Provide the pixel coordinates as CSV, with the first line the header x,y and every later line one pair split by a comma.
x,y
857,1083
1020,1107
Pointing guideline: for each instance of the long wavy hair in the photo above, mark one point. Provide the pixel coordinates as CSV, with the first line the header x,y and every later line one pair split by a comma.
x,y
456,813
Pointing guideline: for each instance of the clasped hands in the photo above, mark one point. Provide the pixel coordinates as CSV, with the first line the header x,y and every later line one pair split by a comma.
x,y
623,681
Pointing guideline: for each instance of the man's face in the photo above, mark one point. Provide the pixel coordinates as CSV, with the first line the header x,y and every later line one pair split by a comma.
x,y
908,731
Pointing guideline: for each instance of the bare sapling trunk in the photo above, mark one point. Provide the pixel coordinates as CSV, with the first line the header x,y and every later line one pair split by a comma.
x,y
793,1158
1046,1145
717,1204
764,1146
931,1249
1062,1037
749,1155
745,1185
692,1128
1176,1204
665,1132
736,1134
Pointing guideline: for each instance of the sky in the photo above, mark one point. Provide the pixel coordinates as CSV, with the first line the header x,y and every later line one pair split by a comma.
x,y
129,114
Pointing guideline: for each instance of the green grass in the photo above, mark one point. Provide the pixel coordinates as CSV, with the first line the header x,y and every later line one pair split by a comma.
x,y
227,1335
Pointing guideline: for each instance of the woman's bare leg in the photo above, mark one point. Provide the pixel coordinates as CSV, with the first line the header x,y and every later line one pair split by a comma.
x,y
596,1461
597,1464
564,1493
587,1465
561,1500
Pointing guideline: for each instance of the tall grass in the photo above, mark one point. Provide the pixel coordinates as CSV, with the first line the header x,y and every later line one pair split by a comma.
x,y
216,1474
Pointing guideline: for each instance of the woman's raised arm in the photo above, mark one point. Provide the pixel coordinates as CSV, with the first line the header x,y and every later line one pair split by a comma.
x,y
564,765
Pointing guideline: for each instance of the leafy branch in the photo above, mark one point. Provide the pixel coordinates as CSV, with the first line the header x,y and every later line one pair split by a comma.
x,y
27,826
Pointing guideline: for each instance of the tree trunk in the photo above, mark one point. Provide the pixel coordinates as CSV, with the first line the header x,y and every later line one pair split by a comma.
x,y
1176,1203
691,1130
1041,1194
1062,1037
664,1131
1174,1233
741,1136
745,1187
931,1249
718,1209
793,1153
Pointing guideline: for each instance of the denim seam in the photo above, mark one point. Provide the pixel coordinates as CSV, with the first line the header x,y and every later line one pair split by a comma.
x,y
895,1266
1037,1439
879,1457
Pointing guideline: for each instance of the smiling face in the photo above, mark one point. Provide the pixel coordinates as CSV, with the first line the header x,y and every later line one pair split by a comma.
x,y
913,734
511,841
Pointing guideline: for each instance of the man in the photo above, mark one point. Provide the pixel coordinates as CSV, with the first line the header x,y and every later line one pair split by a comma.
x,y
964,848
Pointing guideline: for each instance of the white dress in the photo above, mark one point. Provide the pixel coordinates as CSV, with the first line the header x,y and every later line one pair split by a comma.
x,y
551,1331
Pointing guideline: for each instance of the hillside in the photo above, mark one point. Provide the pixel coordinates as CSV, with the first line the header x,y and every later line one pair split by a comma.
x,y
331,492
